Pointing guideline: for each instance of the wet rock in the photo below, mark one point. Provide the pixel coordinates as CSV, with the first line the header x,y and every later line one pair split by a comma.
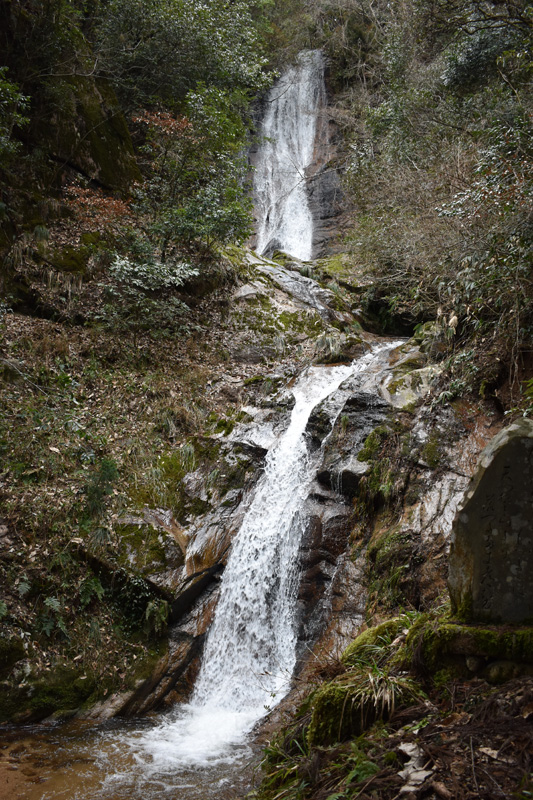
x,y
491,559
327,203
341,470
344,475
320,424
303,289
194,484
109,708
258,436
172,680
194,586
324,540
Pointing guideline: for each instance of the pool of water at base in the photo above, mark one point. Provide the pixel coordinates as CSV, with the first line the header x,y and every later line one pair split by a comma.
x,y
82,761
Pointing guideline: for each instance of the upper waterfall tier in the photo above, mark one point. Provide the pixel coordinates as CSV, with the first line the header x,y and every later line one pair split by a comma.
x,y
288,130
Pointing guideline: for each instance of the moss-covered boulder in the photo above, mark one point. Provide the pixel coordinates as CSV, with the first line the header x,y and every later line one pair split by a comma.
x,y
371,641
445,650
349,705
59,691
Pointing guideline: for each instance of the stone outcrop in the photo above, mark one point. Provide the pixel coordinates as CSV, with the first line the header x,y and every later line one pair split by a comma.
x,y
341,469
325,539
491,559
327,203
303,289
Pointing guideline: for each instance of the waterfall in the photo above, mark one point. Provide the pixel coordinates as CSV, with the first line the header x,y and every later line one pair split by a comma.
x,y
288,130
250,653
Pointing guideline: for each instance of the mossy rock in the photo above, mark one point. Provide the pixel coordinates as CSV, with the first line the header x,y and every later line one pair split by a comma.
x,y
143,548
64,689
281,258
494,653
433,452
71,259
373,442
367,642
339,266
336,716
392,549
350,705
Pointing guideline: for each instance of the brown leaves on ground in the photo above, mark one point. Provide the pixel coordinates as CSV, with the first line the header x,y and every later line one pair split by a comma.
x,y
478,744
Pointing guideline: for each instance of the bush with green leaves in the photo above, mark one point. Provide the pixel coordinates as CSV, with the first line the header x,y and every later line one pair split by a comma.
x,y
140,296
440,173
164,48
195,191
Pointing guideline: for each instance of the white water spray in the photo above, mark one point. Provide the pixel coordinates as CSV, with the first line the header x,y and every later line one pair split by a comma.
x,y
284,219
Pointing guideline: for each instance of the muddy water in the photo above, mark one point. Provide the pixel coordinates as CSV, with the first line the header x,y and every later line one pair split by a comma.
x,y
81,761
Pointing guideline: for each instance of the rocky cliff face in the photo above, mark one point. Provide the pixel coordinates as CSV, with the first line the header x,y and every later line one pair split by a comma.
x,y
326,198
75,121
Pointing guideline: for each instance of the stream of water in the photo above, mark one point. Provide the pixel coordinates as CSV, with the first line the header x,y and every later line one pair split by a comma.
x,y
284,218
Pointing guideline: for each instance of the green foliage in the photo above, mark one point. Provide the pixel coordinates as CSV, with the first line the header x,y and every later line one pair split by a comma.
x,y
440,172
23,586
195,189
165,48
51,618
140,296
373,647
350,705
90,588
282,759
156,617
347,36
137,607
528,395
475,57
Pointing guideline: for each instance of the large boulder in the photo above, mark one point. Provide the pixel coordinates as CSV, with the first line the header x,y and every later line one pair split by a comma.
x,y
491,558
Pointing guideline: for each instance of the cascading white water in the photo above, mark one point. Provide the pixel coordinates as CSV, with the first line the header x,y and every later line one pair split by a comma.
x,y
284,219
250,653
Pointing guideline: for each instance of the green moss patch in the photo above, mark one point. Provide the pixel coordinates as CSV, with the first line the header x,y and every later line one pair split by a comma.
x,y
351,704
465,650
372,641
